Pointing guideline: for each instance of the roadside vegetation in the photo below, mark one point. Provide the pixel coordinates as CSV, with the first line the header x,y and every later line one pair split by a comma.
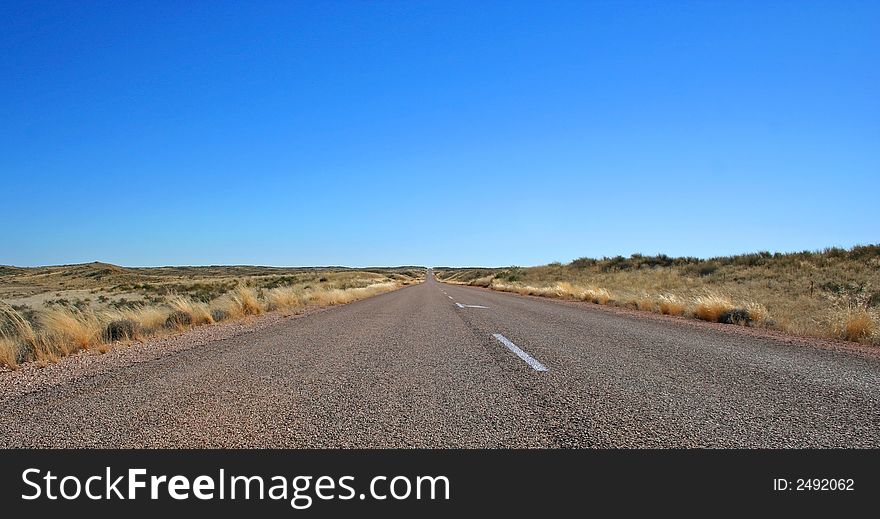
x,y
50,312
831,293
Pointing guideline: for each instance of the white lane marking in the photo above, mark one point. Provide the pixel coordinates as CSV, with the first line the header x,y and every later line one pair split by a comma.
x,y
537,366
470,306
450,297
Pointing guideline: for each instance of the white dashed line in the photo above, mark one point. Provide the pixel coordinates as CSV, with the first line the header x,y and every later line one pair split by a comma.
x,y
537,366
450,297
470,306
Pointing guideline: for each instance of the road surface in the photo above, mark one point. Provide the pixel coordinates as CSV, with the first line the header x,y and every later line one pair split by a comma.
x,y
436,365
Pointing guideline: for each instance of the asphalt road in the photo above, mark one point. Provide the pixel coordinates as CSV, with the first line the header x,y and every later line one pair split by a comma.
x,y
413,368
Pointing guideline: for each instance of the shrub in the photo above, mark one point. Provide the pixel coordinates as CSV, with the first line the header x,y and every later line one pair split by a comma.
x,y
178,319
121,330
736,316
582,263
707,269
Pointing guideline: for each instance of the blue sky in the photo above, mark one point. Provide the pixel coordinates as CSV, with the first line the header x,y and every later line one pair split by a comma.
x,y
434,133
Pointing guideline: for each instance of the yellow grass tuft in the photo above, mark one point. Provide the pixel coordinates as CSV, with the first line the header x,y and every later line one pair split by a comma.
x,y
670,305
72,329
149,318
711,306
22,340
757,312
17,324
198,313
285,297
599,296
856,325
246,300
567,290
9,352
646,304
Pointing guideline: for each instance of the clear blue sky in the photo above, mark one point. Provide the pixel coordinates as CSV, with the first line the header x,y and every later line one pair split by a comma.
x,y
435,133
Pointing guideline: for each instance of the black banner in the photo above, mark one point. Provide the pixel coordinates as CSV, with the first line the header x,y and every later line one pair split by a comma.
x,y
428,483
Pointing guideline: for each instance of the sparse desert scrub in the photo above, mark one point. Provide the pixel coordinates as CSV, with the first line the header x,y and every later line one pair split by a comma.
x,y
62,310
801,292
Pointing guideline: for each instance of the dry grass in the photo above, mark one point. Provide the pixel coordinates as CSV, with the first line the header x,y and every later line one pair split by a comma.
x,y
9,352
646,304
337,296
757,312
857,326
710,307
198,313
831,293
670,305
22,342
149,318
92,316
71,329
599,296
246,301
15,325
285,297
